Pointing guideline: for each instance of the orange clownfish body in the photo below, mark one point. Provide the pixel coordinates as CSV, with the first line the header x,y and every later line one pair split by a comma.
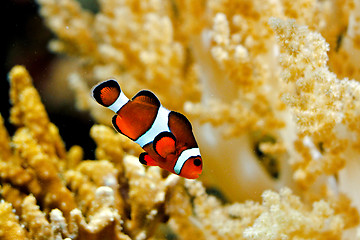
x,y
166,136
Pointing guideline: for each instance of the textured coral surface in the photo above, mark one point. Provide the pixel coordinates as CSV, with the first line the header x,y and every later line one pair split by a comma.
x,y
50,193
272,91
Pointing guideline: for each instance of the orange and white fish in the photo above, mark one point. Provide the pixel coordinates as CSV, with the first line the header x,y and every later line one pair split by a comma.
x,y
166,136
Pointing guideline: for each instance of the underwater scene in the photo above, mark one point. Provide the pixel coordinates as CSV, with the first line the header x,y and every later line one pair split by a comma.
x,y
180,119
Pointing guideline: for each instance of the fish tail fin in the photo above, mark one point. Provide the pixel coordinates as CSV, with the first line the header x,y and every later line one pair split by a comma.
x,y
109,94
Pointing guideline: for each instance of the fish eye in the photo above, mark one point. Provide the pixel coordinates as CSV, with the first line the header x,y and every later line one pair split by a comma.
x,y
197,162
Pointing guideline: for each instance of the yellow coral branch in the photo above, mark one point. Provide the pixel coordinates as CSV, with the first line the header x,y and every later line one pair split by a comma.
x,y
5,151
35,220
9,223
54,192
28,111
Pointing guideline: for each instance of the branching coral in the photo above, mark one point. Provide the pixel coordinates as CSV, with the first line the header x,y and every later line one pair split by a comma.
x,y
98,40
118,198
227,48
320,222
266,86
325,107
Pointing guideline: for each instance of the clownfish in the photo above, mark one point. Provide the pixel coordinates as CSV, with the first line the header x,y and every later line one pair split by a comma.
x,y
166,136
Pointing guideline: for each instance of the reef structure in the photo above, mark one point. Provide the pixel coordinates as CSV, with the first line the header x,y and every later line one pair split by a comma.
x,y
271,88
265,83
50,193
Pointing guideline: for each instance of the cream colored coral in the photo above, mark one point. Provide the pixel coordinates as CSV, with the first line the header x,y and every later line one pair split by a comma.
x,y
72,24
269,101
129,202
159,47
104,221
35,220
324,106
147,191
98,40
105,137
225,52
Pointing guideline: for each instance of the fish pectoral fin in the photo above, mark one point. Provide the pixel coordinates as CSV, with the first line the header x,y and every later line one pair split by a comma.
x,y
164,144
145,159
118,125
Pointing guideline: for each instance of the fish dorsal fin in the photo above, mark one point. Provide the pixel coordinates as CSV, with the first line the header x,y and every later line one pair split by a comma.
x,y
145,159
164,144
106,92
148,97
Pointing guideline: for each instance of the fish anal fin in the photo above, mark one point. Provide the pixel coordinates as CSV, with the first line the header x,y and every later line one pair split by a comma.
x,y
145,159
164,144
146,96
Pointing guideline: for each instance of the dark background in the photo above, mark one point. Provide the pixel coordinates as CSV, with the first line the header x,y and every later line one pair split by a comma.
x,y
25,42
